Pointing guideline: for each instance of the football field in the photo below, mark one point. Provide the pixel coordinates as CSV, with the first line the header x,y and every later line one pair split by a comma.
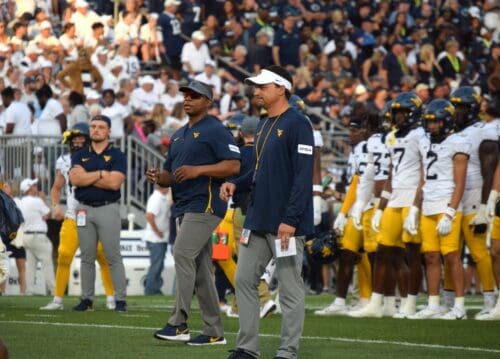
x,y
31,333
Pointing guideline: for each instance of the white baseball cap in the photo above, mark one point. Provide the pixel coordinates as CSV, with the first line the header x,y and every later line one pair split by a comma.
x,y
198,35
269,77
92,95
4,48
45,63
171,2
210,62
27,183
81,3
360,90
45,25
146,80
32,48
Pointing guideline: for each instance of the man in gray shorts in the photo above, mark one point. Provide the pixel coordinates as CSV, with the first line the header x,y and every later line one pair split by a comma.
x,y
202,153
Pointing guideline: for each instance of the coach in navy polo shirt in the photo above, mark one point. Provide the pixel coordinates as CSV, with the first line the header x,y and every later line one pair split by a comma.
x,y
202,153
97,172
280,208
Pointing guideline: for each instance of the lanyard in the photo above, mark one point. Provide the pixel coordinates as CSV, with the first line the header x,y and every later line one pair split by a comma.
x,y
454,62
260,152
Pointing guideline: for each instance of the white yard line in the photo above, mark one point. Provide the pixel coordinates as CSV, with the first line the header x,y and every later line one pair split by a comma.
x,y
334,339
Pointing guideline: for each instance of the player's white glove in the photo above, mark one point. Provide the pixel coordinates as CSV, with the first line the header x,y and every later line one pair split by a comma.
x,y
339,224
356,214
444,225
480,217
4,263
377,217
317,209
411,221
491,204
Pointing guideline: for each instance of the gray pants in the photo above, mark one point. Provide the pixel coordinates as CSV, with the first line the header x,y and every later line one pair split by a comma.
x,y
252,261
193,269
103,224
39,248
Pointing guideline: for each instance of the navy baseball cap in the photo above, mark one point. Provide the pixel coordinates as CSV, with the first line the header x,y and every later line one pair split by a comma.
x,y
102,118
199,88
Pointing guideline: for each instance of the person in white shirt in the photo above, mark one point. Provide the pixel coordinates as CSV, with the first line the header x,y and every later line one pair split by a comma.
x,y
38,246
101,61
29,65
144,98
17,115
83,19
126,30
172,96
116,113
195,54
209,77
132,66
152,39
69,41
115,75
45,40
156,237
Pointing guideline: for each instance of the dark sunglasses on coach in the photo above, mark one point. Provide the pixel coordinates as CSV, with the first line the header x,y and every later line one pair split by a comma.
x,y
192,95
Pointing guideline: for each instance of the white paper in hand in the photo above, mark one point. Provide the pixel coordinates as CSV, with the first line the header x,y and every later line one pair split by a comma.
x,y
291,251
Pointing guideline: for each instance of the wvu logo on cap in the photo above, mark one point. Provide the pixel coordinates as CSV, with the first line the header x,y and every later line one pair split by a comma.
x,y
280,132
107,158
196,134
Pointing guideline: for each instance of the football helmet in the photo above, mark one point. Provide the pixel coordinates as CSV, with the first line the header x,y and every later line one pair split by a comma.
x,y
324,248
443,111
79,129
467,103
406,110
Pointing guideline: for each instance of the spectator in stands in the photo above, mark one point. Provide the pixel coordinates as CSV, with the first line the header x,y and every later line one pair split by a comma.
x,y
144,98
17,115
113,78
177,118
84,19
45,40
171,29
126,30
96,37
52,121
194,55
69,41
79,112
38,246
29,65
286,43
101,61
450,61
116,112
227,104
422,91
172,96
394,65
260,52
36,27
130,61
152,40
156,237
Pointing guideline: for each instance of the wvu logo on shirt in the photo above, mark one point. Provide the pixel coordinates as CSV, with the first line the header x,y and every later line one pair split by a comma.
x,y
107,158
280,132
196,134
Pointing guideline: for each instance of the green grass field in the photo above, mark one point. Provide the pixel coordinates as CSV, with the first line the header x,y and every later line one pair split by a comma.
x,y
31,333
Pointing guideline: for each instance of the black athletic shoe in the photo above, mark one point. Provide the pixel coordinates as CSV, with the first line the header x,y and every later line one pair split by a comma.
x,y
84,306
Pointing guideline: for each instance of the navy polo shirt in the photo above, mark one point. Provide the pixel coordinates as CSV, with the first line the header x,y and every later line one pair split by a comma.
x,y
111,159
289,45
207,142
282,182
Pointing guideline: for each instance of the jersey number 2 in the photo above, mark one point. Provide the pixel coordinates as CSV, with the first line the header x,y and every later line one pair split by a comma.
x,y
433,157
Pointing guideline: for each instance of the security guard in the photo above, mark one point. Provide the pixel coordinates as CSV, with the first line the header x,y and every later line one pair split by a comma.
x,y
98,172
202,153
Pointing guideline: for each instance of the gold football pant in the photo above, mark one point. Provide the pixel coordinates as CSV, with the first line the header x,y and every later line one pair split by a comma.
x,y
68,244
433,242
391,232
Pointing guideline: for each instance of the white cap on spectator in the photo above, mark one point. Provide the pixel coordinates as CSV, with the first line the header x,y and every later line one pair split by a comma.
x,y
171,2
101,50
81,3
360,90
32,48
45,25
45,63
153,15
146,80
92,95
4,48
210,62
27,183
198,35
116,62
37,150
475,12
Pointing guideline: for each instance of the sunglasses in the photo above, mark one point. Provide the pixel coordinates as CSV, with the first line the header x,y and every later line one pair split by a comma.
x,y
192,95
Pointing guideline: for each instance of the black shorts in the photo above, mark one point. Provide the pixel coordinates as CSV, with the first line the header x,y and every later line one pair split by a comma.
x,y
16,252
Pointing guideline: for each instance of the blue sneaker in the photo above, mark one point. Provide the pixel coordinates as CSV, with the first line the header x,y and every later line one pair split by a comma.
x,y
206,340
173,332
121,306
84,306
239,354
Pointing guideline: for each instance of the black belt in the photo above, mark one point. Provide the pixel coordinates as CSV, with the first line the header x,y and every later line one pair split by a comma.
x,y
30,232
97,203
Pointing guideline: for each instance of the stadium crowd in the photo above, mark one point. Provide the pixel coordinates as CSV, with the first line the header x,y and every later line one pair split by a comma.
x,y
358,65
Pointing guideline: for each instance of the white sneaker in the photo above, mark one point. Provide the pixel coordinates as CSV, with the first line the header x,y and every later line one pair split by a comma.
x,y
110,303
53,306
426,313
493,314
231,314
403,313
267,308
389,311
332,309
368,311
224,307
359,305
454,314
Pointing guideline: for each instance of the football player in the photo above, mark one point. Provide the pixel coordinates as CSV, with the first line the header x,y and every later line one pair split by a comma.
x,y
396,200
480,172
352,236
444,158
77,138
492,115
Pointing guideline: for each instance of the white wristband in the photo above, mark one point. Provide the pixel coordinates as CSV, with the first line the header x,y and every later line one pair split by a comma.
x,y
386,195
376,202
450,212
317,188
